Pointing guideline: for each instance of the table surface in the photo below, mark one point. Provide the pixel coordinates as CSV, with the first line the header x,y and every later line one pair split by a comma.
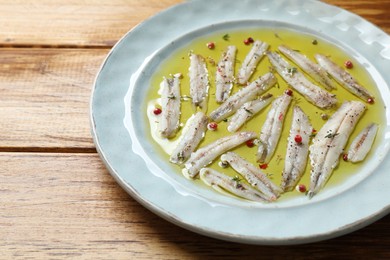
x,y
57,200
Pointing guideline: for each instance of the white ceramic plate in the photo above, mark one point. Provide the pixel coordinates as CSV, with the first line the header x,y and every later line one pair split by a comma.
x,y
121,135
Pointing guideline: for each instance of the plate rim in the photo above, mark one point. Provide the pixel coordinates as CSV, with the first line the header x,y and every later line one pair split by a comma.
x,y
180,222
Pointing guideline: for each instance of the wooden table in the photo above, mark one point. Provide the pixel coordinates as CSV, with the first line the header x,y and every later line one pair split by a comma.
x,y
57,200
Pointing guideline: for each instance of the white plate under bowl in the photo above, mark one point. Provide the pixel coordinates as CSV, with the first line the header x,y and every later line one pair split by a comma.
x,y
121,134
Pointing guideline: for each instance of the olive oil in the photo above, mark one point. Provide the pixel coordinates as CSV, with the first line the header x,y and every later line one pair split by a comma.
x,y
307,44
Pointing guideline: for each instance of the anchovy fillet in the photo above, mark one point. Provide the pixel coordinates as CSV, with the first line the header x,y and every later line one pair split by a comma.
x,y
206,155
362,143
313,93
224,77
251,60
193,133
272,128
170,106
247,111
330,141
246,94
199,82
343,77
223,183
296,156
253,175
315,71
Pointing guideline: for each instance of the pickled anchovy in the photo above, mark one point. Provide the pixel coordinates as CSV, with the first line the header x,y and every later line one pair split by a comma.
x,y
247,111
330,141
246,94
313,93
205,155
199,82
315,71
297,149
272,128
253,175
251,60
193,133
223,183
343,77
362,143
225,74
170,106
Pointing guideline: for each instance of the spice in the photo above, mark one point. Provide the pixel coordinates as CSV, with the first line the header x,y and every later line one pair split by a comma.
x,y
248,41
348,64
157,111
211,45
314,42
250,143
370,101
313,133
263,166
298,139
345,157
280,117
289,92
212,126
301,188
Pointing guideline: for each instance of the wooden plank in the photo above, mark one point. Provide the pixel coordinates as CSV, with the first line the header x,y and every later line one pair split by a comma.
x,y
71,207
102,23
44,97
375,12
73,22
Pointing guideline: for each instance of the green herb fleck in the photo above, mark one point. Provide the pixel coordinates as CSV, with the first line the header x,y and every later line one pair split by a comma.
x,y
226,37
314,42
278,159
236,178
331,135
292,70
180,156
248,111
237,183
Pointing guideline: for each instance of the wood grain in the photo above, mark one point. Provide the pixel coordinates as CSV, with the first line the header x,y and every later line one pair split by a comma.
x,y
72,22
94,23
375,11
57,200
74,208
44,97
